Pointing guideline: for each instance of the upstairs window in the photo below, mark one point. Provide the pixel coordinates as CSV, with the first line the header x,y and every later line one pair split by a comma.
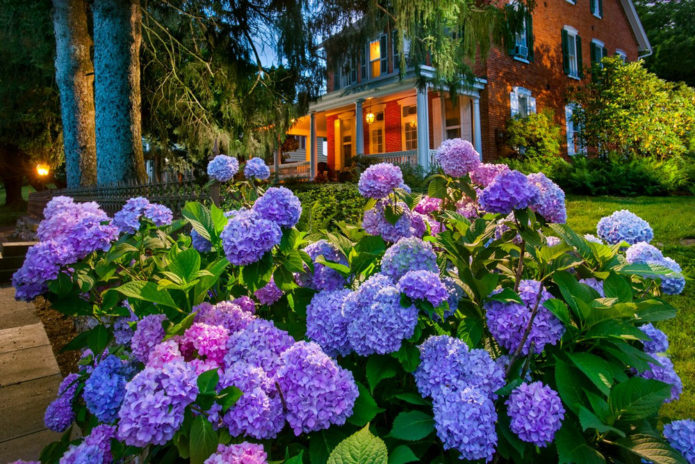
x,y
378,57
572,52
596,8
598,52
522,102
622,55
523,40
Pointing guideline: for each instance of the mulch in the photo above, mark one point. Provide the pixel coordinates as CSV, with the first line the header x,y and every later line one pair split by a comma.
x,y
61,330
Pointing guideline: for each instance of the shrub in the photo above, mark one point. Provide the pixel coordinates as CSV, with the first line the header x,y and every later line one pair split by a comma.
x,y
324,206
534,136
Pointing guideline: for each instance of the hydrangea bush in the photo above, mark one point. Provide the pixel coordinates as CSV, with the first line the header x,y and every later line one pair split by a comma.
x,y
430,333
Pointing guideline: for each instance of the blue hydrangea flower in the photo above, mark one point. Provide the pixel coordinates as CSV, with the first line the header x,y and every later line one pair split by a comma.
x,y
510,190
408,224
457,157
160,215
57,205
665,372
465,421
423,285
91,234
672,285
200,243
60,413
681,436
593,238
486,173
552,241
658,341
380,180
227,314
222,168
279,205
256,167
148,333
456,294
551,199
408,254
248,236
122,328
64,216
642,252
243,453
595,284
318,393
41,265
323,278
268,294
94,449
259,344
507,322
105,388
536,413
128,218
625,226
326,324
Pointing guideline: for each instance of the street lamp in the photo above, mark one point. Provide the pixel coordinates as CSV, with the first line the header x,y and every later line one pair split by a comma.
x,y
42,170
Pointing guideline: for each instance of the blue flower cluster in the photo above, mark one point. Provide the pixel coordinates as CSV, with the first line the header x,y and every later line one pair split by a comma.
x,y
510,190
644,253
94,449
423,285
409,224
222,168
128,218
664,372
408,254
551,199
457,157
323,278
260,344
60,413
256,168
658,341
536,413
42,263
326,324
681,436
200,243
228,314
268,294
624,226
105,388
248,236
380,180
279,205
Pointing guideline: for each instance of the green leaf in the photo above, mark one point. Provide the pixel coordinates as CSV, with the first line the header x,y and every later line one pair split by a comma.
x,y
298,459
589,420
616,286
393,213
402,455
638,398
207,381
573,448
181,327
200,219
559,309
408,356
341,268
98,339
292,261
412,398
507,295
596,369
437,187
228,397
651,448
365,408
470,330
412,426
185,264
203,441
379,368
360,448
570,384
146,291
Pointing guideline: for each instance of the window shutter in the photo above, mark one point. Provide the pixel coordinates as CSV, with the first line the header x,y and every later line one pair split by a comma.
x,y
604,53
600,7
592,5
565,52
580,64
592,53
514,102
531,105
529,35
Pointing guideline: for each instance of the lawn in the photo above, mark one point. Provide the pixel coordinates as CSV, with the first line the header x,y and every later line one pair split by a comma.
x,y
673,221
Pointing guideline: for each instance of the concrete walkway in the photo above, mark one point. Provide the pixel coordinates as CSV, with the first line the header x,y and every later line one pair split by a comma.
x,y
29,379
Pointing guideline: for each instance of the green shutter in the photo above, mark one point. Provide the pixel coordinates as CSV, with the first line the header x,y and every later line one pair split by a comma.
x,y
529,35
565,52
580,65
600,7
605,53
592,53
592,6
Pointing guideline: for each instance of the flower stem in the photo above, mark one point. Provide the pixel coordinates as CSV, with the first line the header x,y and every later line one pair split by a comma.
x,y
527,332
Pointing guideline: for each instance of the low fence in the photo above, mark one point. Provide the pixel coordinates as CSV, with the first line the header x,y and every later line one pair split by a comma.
x,y
300,170
401,158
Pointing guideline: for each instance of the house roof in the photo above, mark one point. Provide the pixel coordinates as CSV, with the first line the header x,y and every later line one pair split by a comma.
x,y
644,47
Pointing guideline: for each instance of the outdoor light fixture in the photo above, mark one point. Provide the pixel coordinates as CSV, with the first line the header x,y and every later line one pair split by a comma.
x,y
369,117
42,170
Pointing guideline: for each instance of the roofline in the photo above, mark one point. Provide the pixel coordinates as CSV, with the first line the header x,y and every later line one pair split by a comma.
x,y
644,47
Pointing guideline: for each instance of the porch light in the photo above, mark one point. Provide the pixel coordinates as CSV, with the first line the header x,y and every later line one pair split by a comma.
x,y
42,170
369,117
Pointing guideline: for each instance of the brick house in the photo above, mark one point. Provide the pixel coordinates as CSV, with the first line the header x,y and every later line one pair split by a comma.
x,y
369,109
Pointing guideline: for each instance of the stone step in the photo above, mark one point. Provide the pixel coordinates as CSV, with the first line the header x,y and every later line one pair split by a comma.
x,y
13,249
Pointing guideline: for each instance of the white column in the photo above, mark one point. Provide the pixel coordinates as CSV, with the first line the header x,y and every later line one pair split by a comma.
x,y
477,132
359,128
312,146
423,130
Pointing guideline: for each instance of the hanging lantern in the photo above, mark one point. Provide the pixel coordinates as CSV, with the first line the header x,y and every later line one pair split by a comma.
x,y
369,117
42,170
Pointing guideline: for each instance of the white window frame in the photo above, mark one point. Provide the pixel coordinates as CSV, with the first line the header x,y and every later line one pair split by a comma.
x,y
596,11
519,94
601,46
574,146
521,38
573,2
410,119
377,125
572,34
621,54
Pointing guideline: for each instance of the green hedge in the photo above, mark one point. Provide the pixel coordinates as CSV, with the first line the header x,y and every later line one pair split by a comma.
x,y
325,205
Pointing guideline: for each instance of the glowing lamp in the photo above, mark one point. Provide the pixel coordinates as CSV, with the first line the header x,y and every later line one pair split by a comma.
x,y
369,118
42,170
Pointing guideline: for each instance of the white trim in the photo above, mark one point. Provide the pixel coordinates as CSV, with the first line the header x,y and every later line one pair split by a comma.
x,y
570,29
572,35
633,18
598,42
573,2
621,53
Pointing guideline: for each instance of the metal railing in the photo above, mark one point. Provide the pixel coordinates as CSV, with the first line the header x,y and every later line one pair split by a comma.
x,y
397,157
300,170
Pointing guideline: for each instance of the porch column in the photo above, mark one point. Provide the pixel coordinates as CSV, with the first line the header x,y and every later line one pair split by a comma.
x,y
359,128
477,132
312,146
423,129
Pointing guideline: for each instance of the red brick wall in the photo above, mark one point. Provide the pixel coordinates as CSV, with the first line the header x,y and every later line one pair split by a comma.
x,y
392,126
330,140
545,77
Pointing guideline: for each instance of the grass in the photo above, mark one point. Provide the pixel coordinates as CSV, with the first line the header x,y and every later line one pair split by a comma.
x,y
673,221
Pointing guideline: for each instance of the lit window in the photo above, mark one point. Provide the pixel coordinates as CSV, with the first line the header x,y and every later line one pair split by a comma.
x,y
571,52
573,129
522,102
347,149
409,127
452,115
376,133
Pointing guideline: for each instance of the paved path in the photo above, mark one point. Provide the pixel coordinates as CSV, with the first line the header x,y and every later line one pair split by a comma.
x,y
29,379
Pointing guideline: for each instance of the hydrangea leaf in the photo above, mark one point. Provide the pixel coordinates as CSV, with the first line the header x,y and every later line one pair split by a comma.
x,y
572,447
203,440
651,448
185,264
402,455
360,448
379,368
365,408
638,398
412,426
596,369
146,291
200,218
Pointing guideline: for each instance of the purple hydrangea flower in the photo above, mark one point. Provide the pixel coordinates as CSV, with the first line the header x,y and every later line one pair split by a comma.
x,y
243,453
149,332
258,413
209,342
456,293
41,264
323,278
625,226
377,303
269,294
105,388
681,436
486,173
552,241
245,303
465,421
122,330
536,413
256,167
658,341
22,461
510,190
128,218
226,314
318,393
595,284
457,157
507,322
279,205
56,205
593,238
90,234
94,449
222,168
248,236
408,254
672,285
665,372
326,324
60,413
60,222
259,344
160,215
154,404
468,208
200,243
163,353
428,205
379,180
642,252
423,285
551,200
374,222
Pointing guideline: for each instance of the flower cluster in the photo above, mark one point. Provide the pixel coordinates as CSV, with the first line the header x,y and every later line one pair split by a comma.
x,y
423,285
232,315
248,236
256,168
94,449
128,218
222,168
644,253
624,226
199,242
149,332
259,344
657,343
323,277
243,453
457,157
664,372
268,294
408,254
325,322
42,263
681,436
379,180
105,388
408,224
551,199
485,173
508,191
279,205
536,413
428,205
60,413
208,341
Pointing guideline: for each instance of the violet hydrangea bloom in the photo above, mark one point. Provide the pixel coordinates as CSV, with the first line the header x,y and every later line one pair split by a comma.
x,y
658,341
468,208
60,413
323,277
465,421
681,436
552,241
672,285
456,293
625,226
408,224
665,372
551,200
60,222
326,324
209,342
90,234
259,344
536,413
408,254
222,168
149,332
377,303
56,205
154,404
379,180
593,238
457,157
128,218
105,388
94,449
318,393
510,190
256,168
279,205
160,215
243,453
428,205
227,314
163,353
423,285
642,252
269,294
199,242
41,264
486,173
507,322
248,236
245,303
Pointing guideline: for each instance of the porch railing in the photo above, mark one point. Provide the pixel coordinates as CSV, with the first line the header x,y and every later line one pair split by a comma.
x,y
300,170
405,157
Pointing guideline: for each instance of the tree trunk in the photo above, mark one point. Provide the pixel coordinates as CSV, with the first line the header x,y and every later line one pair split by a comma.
x,y
75,79
117,39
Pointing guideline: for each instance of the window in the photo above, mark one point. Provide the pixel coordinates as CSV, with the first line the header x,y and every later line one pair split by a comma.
x,y
376,134
378,57
596,8
523,42
622,55
452,118
409,122
347,149
598,52
574,143
571,52
522,103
